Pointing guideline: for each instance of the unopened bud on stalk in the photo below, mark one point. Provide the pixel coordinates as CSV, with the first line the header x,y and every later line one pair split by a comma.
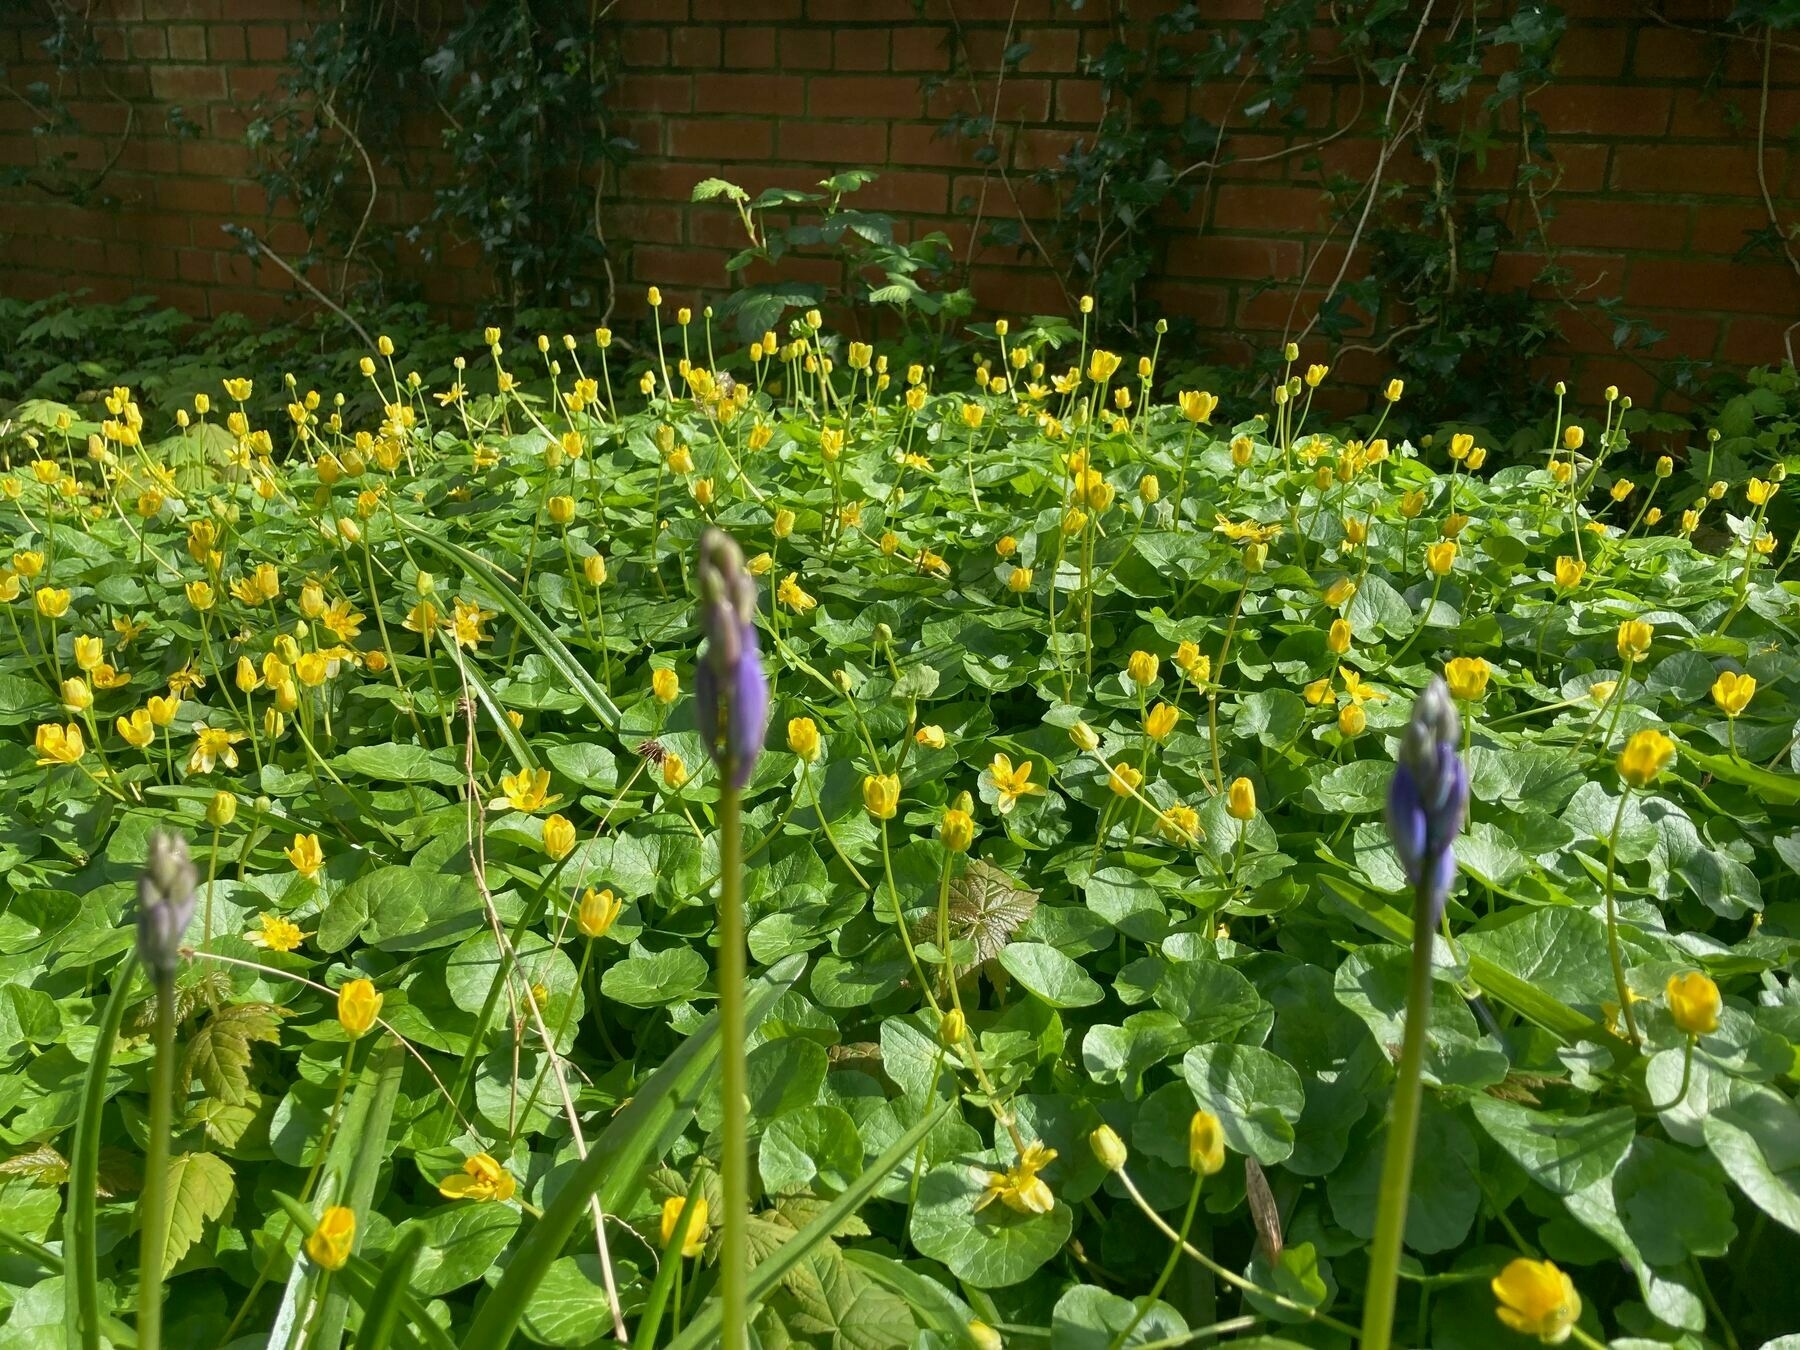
x,y
1085,737
731,693
165,904
1428,794
1108,1148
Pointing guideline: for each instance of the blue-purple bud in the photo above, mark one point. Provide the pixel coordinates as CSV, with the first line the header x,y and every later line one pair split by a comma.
x,y
1429,794
731,694
165,905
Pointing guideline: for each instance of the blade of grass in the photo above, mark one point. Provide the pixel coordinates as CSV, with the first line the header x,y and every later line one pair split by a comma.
x,y
365,1136
381,1310
483,573
765,1276
928,1299
81,1315
516,745
640,1133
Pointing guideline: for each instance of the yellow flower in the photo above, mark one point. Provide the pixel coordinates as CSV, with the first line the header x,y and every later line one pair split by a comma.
x,y
803,738
313,668
1460,445
239,390
1601,691
1123,779
674,771
137,729
973,415
957,830
1196,667
51,602
1149,489
329,1244
163,710
1454,524
1337,639
221,810
1018,581
881,795
1352,720
930,736
1561,470
1160,722
1206,1144
276,934
1020,1188
1634,640
1537,1299
89,652
200,595
1759,491
528,789
466,622
1101,365
1412,503
1315,376
1243,450
1358,691
1339,593
358,1005
1645,756
693,1241
665,684
1395,388
60,744
790,594
559,835
598,911
1569,572
245,677
213,746
1009,783
1622,489
76,696
1467,677
1441,557
593,567
1197,405
28,563
1240,799
1318,691
1179,824
1733,692
306,855
482,1178
1142,669
1693,1003
1006,546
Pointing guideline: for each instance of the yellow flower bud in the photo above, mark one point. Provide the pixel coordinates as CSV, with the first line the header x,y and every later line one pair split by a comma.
x,y
1693,1001
1206,1143
358,1005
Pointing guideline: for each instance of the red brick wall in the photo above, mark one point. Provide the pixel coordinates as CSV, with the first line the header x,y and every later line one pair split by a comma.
x,y
1651,121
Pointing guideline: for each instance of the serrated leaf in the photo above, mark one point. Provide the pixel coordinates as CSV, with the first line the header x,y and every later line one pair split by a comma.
x,y
198,1186
42,1164
219,1050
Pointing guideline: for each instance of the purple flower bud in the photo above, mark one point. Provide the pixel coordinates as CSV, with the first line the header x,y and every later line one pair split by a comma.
x,y
731,694
165,905
1428,795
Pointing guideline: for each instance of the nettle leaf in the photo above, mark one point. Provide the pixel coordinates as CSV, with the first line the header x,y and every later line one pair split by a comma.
x,y
219,1050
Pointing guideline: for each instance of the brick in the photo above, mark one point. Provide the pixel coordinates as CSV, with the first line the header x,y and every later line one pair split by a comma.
x,y
266,42
1752,341
640,46
1748,288
1608,110
695,46
193,195
832,144
860,49
1203,305
225,42
860,11
863,96
1214,256
930,143
750,48
784,94
215,160
147,43
654,93
1668,53
1601,222
1729,114
1038,148
1723,229
1589,52
1289,210
920,48
740,11
668,267
1712,170
1079,101
805,49
727,139
187,42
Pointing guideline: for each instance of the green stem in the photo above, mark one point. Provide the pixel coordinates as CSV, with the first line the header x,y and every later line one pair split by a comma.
x,y
1612,920
1402,1140
1162,1280
734,1255
152,1212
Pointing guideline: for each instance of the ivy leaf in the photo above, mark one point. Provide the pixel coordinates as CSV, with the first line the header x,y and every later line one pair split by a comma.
x,y
219,1053
198,1186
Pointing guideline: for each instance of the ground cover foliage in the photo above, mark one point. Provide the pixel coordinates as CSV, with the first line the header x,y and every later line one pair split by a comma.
x,y
1073,923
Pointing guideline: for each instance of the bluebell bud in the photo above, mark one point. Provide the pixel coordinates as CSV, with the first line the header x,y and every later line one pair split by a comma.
x,y
1428,795
165,905
731,693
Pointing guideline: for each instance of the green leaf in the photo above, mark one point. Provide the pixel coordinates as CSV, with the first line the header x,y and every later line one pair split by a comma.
x,y
401,909
1256,1095
809,1150
1445,1192
1562,1153
1086,1318
653,979
1757,1142
1050,975
403,764
992,1249
198,1186
219,1049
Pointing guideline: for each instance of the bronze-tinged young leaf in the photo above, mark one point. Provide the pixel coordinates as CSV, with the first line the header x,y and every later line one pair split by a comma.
x,y
987,906
208,988
219,1051
42,1164
118,1173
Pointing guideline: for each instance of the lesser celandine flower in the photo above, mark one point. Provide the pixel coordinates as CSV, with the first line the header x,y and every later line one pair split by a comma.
x,y
1537,1299
1569,572
1020,1188
1010,783
930,736
60,744
1440,557
482,1178
1732,692
1467,677
221,810
1338,637
1634,639
881,795
1197,405
1160,721
1206,1143
1694,1003
1352,720
136,728
665,684
306,855
803,738
527,790
276,934
957,829
51,602
329,1244
1180,824
358,1005
693,1240
1240,799
597,912
1645,755
559,837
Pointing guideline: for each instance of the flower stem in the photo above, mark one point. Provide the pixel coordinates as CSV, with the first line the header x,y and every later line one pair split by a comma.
x,y
152,1203
1402,1140
734,1253
1612,919
1168,1270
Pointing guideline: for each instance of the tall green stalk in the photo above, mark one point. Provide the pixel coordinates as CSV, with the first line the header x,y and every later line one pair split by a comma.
x,y
153,1200
1402,1140
734,1263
